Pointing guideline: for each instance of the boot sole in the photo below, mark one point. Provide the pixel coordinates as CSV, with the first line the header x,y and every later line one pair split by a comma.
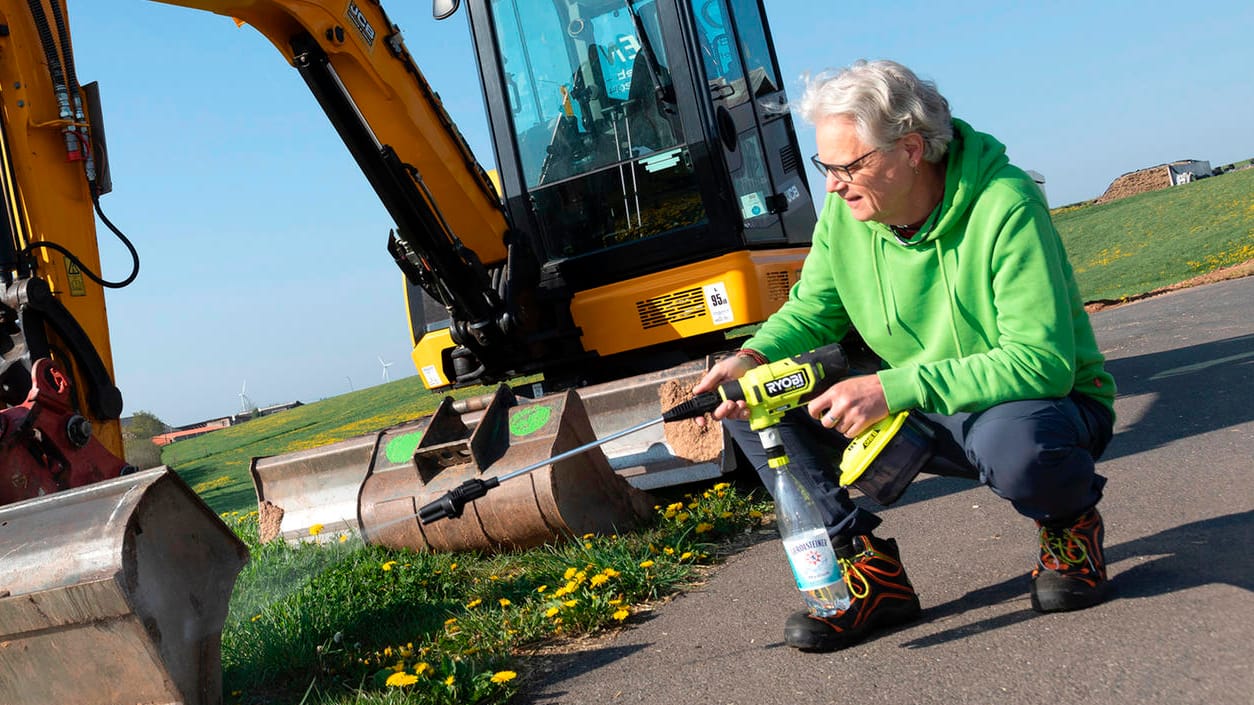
x,y
1059,596
809,641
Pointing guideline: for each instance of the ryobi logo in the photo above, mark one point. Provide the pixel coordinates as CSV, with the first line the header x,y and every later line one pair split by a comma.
x,y
779,387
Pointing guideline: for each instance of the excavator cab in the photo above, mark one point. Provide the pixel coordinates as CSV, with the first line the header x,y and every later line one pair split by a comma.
x,y
637,137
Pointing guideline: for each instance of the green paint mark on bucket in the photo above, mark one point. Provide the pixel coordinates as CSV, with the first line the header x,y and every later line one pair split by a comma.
x,y
400,450
528,420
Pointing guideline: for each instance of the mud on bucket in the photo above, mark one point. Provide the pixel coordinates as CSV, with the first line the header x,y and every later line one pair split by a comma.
x,y
884,459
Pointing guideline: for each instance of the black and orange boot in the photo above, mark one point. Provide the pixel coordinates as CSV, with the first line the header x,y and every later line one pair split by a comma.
x,y
881,595
1071,574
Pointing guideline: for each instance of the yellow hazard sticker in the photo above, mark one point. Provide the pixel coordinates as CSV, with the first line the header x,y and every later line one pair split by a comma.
x,y
78,287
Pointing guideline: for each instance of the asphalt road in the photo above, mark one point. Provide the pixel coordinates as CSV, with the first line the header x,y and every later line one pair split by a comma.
x,y
1180,527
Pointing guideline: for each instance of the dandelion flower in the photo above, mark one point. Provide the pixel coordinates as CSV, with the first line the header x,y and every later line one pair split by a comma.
x,y
721,486
704,527
571,603
685,555
668,551
343,538
542,588
256,617
615,601
504,602
588,536
675,507
551,612
611,573
755,514
599,579
503,676
452,566
421,667
315,529
450,621
621,614
646,564
683,516
400,680
398,667
570,573
473,603
450,681
388,566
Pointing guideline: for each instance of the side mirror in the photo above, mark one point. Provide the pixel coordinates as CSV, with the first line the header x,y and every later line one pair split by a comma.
x,y
443,9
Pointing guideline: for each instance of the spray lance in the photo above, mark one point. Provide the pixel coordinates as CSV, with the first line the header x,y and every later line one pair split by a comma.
x,y
768,390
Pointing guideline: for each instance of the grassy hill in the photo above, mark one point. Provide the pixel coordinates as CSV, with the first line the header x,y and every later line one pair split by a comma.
x,y
1153,240
1118,250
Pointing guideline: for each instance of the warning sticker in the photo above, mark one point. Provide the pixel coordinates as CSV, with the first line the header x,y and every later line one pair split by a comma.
x,y
719,304
432,376
77,285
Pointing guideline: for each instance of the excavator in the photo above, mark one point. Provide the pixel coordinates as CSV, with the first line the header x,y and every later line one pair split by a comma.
x,y
648,200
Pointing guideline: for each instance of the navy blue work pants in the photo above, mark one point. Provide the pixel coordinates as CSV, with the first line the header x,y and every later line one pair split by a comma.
x,y
1038,454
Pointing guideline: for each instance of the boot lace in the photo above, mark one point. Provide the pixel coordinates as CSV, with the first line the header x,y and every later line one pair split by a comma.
x,y
1066,548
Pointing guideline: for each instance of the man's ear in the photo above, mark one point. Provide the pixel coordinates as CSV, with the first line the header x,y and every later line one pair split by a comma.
x,y
914,144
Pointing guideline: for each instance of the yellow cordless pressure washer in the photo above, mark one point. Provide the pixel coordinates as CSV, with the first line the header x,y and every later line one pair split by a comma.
x,y
880,462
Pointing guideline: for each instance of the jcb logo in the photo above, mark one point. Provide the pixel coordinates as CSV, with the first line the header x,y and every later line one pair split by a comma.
x,y
358,18
784,385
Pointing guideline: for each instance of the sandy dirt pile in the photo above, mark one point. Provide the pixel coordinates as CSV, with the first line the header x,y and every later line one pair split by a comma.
x,y
687,439
1152,179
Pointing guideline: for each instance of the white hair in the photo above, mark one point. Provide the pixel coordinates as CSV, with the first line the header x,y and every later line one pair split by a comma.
x,y
886,101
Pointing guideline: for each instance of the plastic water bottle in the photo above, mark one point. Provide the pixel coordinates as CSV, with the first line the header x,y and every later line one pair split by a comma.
x,y
814,565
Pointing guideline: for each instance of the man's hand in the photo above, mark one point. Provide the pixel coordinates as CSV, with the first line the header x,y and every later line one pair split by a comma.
x,y
851,406
727,369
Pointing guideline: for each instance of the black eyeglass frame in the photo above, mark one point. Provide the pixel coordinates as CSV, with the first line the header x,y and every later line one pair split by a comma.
x,y
837,170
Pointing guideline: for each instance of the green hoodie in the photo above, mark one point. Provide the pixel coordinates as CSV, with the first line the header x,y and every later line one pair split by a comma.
x,y
982,308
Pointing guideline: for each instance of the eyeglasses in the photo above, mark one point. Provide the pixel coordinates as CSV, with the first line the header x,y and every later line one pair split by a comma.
x,y
841,172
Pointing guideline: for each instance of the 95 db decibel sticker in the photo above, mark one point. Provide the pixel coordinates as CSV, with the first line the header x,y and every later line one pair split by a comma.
x,y
719,304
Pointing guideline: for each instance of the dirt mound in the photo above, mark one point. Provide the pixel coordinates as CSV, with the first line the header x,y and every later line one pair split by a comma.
x,y
1151,179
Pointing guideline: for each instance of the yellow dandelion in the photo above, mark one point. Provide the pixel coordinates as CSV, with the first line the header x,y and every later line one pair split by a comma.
x,y
675,507
683,516
611,573
452,566
421,667
615,601
315,529
587,544
588,536
668,551
721,486
570,573
493,577
685,555
621,614
669,515
402,679
398,667
388,566
504,602
551,612
256,617
646,564
473,603
755,514
542,588
343,538
571,603
725,515
450,681
704,527
450,621
503,676
599,579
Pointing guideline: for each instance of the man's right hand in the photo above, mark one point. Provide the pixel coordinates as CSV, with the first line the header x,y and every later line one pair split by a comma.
x,y
727,369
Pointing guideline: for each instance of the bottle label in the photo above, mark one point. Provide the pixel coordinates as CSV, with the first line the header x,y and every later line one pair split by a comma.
x,y
813,560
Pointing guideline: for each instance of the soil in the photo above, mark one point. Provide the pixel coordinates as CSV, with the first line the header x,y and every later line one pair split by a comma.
x,y
269,519
689,441
1236,271
1151,179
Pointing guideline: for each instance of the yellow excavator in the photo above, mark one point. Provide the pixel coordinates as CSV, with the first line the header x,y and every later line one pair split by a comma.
x,y
651,200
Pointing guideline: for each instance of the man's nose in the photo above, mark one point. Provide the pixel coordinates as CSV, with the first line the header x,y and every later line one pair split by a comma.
x,y
835,185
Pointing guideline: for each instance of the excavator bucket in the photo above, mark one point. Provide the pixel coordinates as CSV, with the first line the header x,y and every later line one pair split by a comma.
x,y
115,592
374,485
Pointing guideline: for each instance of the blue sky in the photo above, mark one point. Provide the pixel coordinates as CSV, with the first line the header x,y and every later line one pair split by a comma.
x,y
263,249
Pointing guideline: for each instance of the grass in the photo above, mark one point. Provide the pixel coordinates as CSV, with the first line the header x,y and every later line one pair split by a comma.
x,y
346,623
1151,240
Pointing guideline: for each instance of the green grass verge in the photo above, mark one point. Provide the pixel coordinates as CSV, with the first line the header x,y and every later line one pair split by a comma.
x,y
346,623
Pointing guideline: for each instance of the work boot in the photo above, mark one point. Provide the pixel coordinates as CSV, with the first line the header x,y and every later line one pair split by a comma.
x,y
881,595
1072,570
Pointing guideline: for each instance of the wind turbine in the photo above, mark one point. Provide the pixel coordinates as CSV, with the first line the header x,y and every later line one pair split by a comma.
x,y
245,404
385,365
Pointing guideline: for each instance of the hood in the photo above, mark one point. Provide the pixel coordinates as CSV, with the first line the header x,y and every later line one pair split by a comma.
x,y
973,159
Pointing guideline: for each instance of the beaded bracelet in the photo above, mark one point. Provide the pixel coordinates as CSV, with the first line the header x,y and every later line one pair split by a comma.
x,y
757,357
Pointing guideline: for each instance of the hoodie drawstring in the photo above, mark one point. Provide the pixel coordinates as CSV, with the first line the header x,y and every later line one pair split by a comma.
x,y
949,298
886,287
